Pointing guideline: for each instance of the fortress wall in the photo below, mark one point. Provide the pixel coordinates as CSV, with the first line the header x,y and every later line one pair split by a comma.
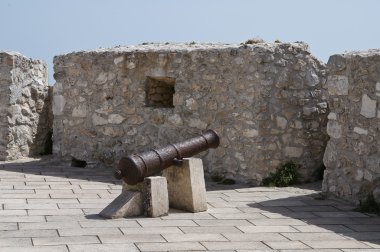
x,y
267,101
6,65
352,156
24,103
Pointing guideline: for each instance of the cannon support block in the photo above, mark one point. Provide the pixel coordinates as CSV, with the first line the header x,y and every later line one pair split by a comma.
x,y
155,196
149,197
186,186
127,204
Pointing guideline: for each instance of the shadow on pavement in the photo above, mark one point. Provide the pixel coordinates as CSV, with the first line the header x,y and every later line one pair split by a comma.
x,y
49,167
288,209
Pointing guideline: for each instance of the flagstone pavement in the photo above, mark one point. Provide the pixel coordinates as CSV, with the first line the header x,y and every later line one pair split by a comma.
x,y
47,206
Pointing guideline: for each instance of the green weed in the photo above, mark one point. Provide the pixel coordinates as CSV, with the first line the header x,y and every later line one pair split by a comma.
x,y
286,175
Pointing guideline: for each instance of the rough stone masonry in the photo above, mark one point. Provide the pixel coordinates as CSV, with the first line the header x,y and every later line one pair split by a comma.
x,y
352,156
267,101
24,106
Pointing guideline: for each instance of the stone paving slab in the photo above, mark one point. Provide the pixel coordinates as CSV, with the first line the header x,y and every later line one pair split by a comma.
x,y
54,208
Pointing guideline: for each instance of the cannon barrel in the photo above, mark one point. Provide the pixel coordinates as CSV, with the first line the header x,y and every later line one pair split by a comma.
x,y
134,168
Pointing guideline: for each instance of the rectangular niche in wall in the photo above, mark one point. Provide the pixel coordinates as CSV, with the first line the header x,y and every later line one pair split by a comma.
x,y
159,92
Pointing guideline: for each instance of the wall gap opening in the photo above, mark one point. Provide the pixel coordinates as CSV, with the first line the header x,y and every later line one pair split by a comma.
x,y
160,92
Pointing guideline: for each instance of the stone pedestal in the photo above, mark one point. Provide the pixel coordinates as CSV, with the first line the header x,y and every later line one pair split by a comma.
x,y
127,204
149,197
183,187
155,194
186,186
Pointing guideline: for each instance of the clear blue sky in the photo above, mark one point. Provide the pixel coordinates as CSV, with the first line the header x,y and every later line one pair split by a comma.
x,y
43,28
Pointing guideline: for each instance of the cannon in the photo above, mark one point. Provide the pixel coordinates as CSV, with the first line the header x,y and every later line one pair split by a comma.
x,y
134,168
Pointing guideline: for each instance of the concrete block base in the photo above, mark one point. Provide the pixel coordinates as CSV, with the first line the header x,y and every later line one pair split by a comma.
x,y
155,194
127,204
183,187
186,186
149,197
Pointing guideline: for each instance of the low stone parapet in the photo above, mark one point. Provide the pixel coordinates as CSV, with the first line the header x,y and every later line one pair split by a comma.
x,y
266,100
352,156
24,107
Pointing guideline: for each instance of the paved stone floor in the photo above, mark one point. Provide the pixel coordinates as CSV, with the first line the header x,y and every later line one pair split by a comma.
x,y
46,207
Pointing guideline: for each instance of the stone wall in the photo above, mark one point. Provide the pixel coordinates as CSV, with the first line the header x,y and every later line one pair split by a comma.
x,y
352,156
267,101
24,103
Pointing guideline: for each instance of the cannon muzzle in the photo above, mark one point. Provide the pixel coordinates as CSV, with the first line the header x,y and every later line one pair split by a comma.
x,y
134,168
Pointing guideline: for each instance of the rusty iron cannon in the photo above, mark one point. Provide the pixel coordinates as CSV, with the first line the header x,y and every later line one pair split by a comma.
x,y
134,168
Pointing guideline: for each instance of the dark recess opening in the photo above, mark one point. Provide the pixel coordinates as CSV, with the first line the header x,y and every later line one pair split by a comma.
x,y
78,163
49,144
159,92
